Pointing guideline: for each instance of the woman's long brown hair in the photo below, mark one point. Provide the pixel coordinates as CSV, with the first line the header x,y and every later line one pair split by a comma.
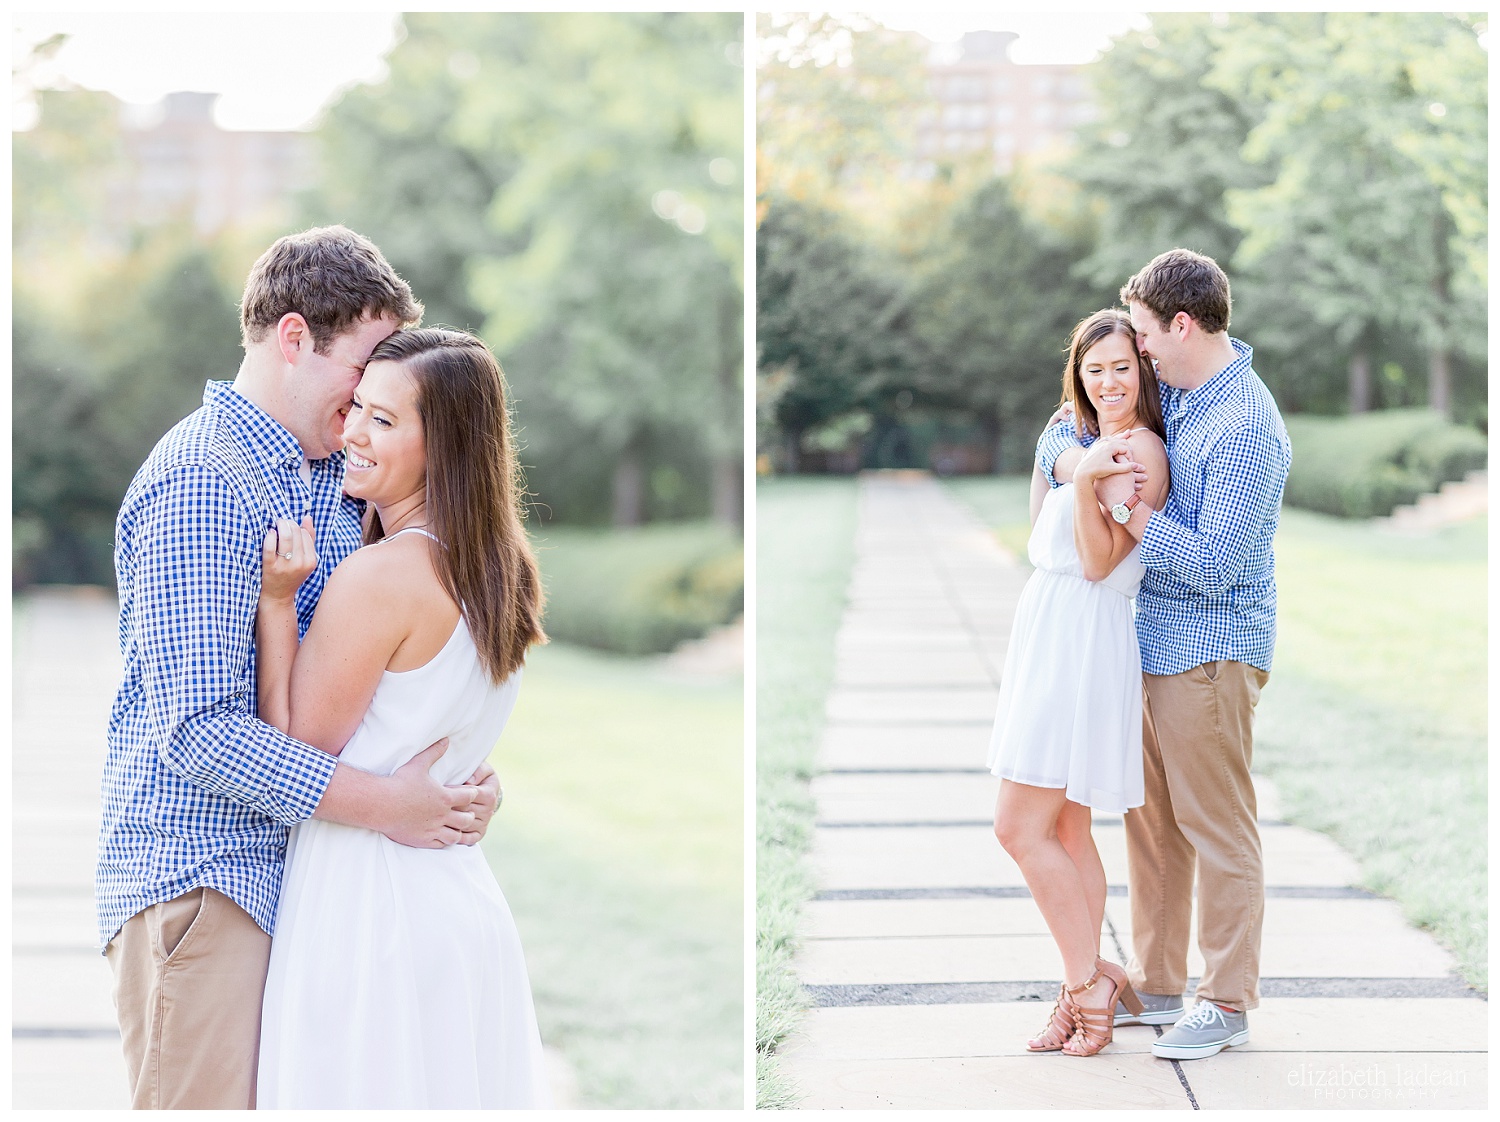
x,y
1101,325
474,492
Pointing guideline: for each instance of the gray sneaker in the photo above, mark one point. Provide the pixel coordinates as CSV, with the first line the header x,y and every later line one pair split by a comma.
x,y
1206,1031
1157,1009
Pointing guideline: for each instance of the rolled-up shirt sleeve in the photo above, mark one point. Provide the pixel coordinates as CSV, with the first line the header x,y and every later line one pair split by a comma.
x,y
194,591
1053,442
1242,483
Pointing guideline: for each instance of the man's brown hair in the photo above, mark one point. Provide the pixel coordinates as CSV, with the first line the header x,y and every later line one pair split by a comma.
x,y
330,276
1180,280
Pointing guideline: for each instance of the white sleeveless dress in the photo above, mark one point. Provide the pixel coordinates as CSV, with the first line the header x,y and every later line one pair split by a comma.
x,y
396,976
1070,700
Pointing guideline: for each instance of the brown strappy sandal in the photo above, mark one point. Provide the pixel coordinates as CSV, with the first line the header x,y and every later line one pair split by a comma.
x,y
1096,1027
1060,1026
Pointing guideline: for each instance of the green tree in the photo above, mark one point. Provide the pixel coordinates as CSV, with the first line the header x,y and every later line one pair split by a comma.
x,y
835,332
586,220
838,102
95,390
997,305
1156,162
1369,177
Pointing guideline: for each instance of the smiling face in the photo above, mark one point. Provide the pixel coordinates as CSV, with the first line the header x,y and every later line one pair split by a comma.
x,y
385,449
1160,342
1111,377
322,385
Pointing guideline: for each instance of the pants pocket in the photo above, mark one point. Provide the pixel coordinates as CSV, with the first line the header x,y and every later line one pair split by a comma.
x,y
178,920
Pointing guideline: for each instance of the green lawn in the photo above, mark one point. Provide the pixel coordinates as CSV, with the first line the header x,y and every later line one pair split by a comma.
x,y
1373,724
620,848
804,551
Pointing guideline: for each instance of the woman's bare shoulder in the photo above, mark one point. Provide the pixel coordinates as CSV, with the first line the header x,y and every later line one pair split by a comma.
x,y
399,569
1151,453
1148,447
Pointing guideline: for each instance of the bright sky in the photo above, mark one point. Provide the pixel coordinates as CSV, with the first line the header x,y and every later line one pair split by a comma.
x,y
272,71
1057,37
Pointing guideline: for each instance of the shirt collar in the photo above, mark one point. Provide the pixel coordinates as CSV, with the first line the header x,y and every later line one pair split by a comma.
x,y
268,442
1213,389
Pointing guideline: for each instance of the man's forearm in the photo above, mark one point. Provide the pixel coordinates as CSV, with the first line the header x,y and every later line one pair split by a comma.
x,y
408,806
1067,463
232,754
355,798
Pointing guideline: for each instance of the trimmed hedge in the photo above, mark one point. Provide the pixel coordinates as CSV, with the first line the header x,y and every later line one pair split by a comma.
x,y
643,590
1364,466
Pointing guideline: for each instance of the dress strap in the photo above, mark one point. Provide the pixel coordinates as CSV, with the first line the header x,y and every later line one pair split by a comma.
x,y
416,530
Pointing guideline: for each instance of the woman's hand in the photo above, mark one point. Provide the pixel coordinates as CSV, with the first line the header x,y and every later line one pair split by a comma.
x,y
1109,455
287,559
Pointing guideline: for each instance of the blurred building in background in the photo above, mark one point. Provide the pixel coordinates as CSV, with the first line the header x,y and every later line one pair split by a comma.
x,y
987,103
179,164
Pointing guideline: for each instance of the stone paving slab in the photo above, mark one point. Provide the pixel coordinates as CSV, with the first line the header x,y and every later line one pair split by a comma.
x,y
941,618
945,958
56,858
1119,1081
869,796
1334,1080
907,669
872,642
77,1074
959,705
55,921
923,856
62,991
1340,938
866,636
907,798
871,746
874,919
1353,938
1281,1025
969,856
1416,1024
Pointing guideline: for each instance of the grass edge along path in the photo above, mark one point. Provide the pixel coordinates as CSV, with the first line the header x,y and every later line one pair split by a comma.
x,y
1398,782
805,552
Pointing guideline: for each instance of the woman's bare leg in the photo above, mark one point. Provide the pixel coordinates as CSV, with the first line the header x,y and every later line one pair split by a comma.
x,y
1074,830
1026,826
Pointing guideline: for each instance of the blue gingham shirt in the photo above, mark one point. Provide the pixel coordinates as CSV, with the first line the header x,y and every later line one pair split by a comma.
x,y
197,791
1209,591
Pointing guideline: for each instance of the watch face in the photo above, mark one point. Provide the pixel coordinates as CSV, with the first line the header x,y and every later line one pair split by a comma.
x,y
1121,513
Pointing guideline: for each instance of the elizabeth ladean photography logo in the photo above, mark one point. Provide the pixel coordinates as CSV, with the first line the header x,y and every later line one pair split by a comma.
x,y
1375,1082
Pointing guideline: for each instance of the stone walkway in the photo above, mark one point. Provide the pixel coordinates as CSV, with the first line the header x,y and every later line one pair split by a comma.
x,y
927,961
65,1045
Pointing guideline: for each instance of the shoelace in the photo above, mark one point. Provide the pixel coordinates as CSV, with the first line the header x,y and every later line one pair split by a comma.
x,y
1203,1014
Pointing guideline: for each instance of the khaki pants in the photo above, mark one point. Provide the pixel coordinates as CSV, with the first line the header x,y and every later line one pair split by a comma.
x,y
189,974
1199,812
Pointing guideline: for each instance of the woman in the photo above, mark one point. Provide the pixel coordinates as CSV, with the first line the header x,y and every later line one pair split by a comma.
x,y
396,976
1067,733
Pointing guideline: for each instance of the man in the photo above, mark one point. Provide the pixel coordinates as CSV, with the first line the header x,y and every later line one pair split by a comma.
x,y
1206,620
198,793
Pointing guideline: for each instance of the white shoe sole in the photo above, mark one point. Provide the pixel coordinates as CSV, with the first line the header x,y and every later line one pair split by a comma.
x,y
1156,1017
1198,1051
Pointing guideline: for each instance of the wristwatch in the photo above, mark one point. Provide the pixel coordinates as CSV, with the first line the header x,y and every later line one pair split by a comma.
x,y
1121,511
